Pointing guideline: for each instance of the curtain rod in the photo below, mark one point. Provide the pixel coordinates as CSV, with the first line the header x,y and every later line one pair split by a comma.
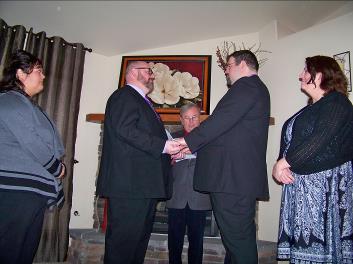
x,y
67,43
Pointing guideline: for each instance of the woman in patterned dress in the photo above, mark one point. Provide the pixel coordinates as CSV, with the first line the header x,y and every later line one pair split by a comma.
x,y
315,167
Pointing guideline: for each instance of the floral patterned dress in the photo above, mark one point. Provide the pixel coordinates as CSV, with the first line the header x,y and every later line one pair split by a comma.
x,y
316,218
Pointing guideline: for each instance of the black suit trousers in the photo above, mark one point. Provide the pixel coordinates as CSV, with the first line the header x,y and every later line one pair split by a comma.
x,y
235,216
129,228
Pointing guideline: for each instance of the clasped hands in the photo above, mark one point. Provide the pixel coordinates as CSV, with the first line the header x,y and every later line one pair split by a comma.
x,y
282,173
177,148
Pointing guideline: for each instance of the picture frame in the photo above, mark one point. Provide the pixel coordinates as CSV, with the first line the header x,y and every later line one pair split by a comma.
x,y
344,61
179,79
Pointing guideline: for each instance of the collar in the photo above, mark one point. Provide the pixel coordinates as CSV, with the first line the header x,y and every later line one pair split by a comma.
x,y
137,90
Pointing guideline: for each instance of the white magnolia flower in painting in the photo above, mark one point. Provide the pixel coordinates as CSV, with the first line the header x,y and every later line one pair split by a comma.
x,y
189,86
166,90
157,95
159,68
168,87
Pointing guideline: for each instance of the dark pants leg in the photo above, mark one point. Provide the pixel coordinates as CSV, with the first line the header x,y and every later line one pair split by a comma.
x,y
227,259
235,216
129,228
176,232
195,221
21,220
178,220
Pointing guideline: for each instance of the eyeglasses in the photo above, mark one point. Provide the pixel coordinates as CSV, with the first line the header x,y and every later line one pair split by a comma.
x,y
191,118
150,72
229,65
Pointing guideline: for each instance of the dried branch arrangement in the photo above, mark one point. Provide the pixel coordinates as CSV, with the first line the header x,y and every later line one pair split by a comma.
x,y
229,47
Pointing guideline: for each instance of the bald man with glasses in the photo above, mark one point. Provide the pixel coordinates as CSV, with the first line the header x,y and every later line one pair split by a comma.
x,y
134,169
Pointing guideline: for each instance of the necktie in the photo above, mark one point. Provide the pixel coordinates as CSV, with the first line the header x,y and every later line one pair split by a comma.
x,y
151,105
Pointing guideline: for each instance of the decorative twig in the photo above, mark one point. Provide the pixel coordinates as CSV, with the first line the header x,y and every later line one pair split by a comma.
x,y
230,46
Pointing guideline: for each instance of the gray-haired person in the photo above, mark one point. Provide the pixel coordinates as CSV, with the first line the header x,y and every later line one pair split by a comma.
x,y
187,208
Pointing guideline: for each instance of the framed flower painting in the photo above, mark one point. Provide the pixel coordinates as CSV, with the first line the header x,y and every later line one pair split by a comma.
x,y
344,61
179,79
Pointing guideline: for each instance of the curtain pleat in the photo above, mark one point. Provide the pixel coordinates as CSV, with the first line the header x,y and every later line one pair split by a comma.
x,y
63,66
11,39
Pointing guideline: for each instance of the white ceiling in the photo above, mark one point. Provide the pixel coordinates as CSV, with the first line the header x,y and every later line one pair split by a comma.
x,y
115,27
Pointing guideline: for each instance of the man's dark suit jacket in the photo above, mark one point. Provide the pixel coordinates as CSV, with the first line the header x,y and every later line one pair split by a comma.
x,y
231,144
132,164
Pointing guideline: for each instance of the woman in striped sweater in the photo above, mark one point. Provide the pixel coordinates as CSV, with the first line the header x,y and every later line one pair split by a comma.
x,y
30,165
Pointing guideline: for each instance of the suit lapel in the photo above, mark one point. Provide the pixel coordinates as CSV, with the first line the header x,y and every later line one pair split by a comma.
x,y
150,114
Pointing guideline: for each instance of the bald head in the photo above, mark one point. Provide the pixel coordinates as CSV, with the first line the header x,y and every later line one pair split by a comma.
x,y
139,73
136,64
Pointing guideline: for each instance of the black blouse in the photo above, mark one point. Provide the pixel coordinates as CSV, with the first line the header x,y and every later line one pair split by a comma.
x,y
322,135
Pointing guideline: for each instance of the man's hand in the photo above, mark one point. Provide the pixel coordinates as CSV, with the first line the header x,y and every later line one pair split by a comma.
x,y
178,156
183,149
172,147
181,142
181,154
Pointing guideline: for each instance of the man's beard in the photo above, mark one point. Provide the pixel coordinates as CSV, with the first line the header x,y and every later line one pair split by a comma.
x,y
149,84
229,81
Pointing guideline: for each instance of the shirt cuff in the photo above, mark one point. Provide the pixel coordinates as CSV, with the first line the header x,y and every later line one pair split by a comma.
x,y
164,149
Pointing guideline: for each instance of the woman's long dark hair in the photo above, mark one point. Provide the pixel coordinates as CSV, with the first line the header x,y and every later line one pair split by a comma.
x,y
333,78
19,60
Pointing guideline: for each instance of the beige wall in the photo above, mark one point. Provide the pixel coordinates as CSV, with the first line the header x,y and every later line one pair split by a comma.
x,y
98,83
280,74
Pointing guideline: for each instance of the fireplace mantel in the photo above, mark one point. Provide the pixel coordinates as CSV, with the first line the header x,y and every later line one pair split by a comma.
x,y
168,118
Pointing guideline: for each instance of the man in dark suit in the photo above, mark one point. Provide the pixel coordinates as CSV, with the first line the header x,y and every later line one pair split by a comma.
x,y
231,156
134,166
187,208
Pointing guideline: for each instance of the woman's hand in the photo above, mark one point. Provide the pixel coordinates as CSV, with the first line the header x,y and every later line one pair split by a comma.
x,y
63,171
282,173
286,176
